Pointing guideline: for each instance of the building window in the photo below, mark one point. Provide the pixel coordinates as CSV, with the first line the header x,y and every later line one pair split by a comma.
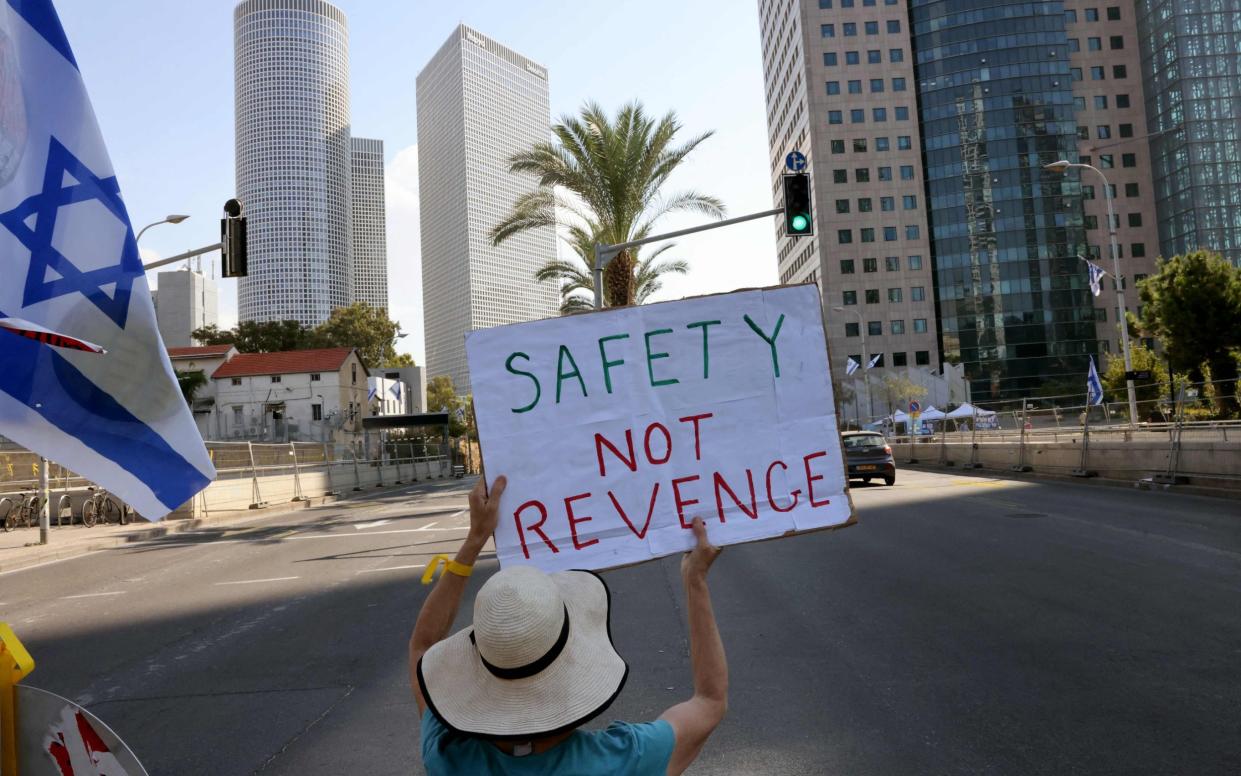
x,y
236,381
915,262
316,412
874,56
861,175
842,206
864,205
829,59
892,263
1096,73
1116,42
882,144
850,30
874,329
1087,189
1079,103
872,296
852,329
910,202
1119,71
897,327
1135,219
1100,102
917,293
237,417
838,146
889,234
919,325
1131,190
1137,250
1094,44
870,265
354,369
848,297
857,116
1083,133
1075,73
835,117
855,87
899,359
1125,130
840,176
1106,160
852,58
894,26
1092,14
1122,101
887,204
844,236
833,87
1113,13
1074,45
895,295
846,267
896,55
1070,17
825,4
872,28
1104,131
902,113
907,172
868,234
885,173
913,232
879,114
1128,160
827,30
314,377
1090,222
275,378
898,84
876,84
922,357
859,145
903,143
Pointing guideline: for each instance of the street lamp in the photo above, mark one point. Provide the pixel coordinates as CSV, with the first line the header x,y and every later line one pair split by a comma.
x,y
1061,167
870,403
172,219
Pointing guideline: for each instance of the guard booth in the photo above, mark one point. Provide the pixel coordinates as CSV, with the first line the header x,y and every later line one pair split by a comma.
x,y
387,438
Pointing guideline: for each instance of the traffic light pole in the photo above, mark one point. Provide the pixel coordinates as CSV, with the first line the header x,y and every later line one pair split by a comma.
x,y
181,257
605,253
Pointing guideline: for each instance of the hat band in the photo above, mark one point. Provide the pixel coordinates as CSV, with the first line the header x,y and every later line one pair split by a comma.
x,y
529,669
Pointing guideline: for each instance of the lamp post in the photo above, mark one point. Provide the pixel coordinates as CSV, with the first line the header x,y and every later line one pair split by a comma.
x,y
172,219
870,402
1062,167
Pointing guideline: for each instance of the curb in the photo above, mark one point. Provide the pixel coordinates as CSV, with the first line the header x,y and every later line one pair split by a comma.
x,y
1201,491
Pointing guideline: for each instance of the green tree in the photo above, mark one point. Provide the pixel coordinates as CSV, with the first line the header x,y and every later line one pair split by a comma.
x,y
574,276
442,397
369,329
190,383
605,174
898,390
1148,391
258,336
1193,304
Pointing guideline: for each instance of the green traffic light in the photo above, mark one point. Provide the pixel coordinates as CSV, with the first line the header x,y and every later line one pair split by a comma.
x,y
800,223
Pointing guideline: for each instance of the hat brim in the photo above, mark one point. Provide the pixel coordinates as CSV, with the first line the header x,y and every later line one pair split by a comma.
x,y
579,684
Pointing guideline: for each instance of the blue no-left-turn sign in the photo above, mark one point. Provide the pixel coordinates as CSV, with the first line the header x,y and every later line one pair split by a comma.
x,y
915,406
795,161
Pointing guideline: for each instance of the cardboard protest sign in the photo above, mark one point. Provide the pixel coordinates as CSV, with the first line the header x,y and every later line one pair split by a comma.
x,y
616,428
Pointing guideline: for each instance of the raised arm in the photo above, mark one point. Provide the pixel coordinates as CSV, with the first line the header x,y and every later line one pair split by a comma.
x,y
440,609
694,720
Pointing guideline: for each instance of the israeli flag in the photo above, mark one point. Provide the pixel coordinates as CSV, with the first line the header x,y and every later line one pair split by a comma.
x,y
70,266
1094,386
395,390
1096,276
875,361
851,366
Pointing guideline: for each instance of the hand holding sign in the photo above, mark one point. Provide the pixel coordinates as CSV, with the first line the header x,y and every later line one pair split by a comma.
x,y
617,428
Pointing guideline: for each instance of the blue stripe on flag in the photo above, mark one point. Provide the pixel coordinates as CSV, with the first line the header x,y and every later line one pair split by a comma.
x,y
41,15
33,373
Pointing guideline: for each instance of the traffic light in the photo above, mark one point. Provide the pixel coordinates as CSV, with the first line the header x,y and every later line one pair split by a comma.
x,y
233,241
798,218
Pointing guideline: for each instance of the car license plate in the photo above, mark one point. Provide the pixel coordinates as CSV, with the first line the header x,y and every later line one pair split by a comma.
x,y
868,467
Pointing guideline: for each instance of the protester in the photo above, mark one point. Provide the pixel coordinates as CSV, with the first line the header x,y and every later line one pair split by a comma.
x,y
508,695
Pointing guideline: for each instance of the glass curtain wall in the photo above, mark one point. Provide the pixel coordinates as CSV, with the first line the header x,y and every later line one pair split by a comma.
x,y
996,104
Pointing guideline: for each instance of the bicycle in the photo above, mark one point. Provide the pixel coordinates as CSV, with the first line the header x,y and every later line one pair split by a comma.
x,y
22,511
100,503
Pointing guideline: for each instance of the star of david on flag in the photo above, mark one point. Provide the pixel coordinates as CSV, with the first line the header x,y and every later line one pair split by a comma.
x,y
1094,386
395,390
84,377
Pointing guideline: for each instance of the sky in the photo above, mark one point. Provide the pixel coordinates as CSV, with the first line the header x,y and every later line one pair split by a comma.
x,y
160,75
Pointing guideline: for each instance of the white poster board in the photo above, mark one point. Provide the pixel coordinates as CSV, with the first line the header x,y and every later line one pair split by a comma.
x,y
616,428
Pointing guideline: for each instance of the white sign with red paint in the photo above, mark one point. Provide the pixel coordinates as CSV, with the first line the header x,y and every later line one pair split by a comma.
x,y
57,737
616,428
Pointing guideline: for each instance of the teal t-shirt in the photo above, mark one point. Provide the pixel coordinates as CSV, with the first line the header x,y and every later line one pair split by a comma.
x,y
622,749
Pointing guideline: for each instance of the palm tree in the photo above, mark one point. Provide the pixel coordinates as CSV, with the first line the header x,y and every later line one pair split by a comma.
x,y
605,175
575,275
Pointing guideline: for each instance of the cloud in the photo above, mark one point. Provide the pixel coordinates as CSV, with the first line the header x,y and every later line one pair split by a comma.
x,y
405,249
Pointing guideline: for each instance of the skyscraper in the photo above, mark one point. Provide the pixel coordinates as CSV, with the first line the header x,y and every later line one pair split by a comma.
x,y
370,241
293,158
478,104
1193,103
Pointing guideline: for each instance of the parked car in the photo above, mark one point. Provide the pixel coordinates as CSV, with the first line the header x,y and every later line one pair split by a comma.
x,y
868,455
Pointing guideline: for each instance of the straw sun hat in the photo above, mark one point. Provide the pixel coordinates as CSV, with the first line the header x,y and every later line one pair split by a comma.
x,y
538,660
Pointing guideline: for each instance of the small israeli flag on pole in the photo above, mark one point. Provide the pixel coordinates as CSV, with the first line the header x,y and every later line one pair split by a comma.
x,y
878,357
107,408
851,366
1094,386
1096,276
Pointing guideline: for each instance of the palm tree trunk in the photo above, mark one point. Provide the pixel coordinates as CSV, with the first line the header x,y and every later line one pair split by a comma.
x,y
618,285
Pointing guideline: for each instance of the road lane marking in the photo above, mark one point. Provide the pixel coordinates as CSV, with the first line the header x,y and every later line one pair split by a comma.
x,y
373,533
256,581
375,524
393,568
92,595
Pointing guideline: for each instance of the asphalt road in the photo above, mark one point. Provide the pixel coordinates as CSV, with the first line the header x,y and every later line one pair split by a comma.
x,y
966,626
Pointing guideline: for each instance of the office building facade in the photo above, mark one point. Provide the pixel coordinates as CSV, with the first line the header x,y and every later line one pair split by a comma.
x,y
1189,59
368,222
293,158
478,104
185,301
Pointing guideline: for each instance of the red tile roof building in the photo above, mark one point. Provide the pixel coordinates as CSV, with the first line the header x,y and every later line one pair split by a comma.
x,y
284,363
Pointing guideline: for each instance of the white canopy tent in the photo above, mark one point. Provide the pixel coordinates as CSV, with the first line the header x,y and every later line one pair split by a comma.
x,y
968,410
931,413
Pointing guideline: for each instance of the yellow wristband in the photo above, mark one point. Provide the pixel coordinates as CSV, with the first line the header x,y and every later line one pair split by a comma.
x,y
450,565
